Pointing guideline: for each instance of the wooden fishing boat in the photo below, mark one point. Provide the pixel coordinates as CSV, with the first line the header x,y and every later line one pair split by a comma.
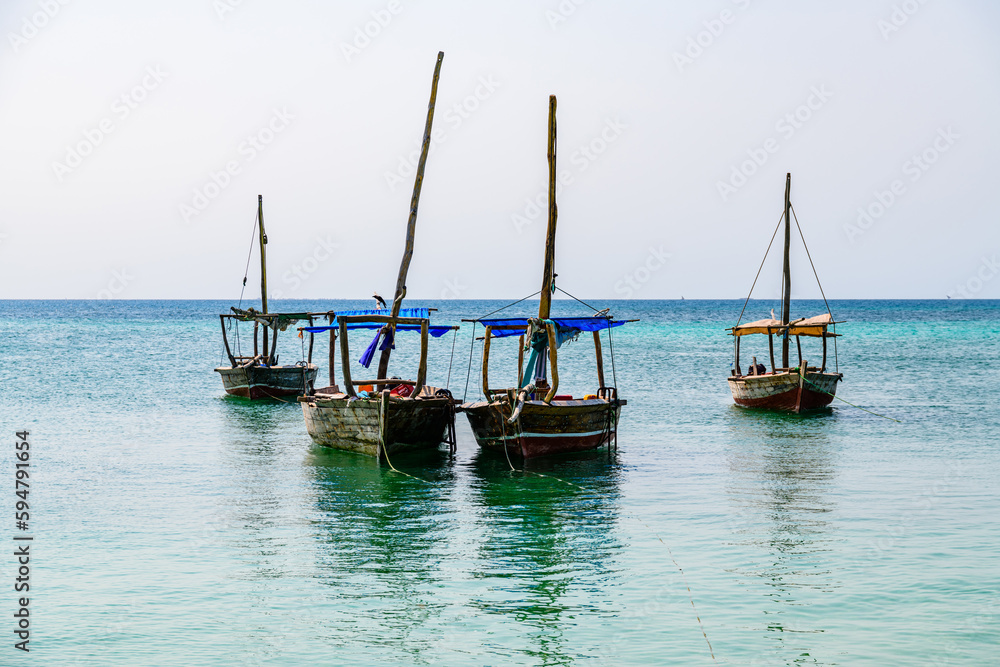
x,y
786,388
259,375
532,419
386,416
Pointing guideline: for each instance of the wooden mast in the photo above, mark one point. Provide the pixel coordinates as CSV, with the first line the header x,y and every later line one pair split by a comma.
x,y
787,272
548,272
263,264
411,226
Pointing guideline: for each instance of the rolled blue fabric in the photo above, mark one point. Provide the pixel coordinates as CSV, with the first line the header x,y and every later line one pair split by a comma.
x,y
366,358
388,341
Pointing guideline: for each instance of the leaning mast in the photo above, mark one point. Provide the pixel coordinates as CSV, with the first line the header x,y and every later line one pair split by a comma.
x,y
548,272
411,226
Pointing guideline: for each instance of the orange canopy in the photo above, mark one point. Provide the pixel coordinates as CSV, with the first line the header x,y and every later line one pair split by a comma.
x,y
812,326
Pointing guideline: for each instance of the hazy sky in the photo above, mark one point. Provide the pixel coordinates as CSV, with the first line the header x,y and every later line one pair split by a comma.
x,y
137,136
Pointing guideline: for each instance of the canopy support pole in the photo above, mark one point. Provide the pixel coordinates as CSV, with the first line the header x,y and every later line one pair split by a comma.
x,y
520,361
553,351
274,345
422,367
486,362
312,339
332,354
600,359
225,341
770,347
738,371
345,359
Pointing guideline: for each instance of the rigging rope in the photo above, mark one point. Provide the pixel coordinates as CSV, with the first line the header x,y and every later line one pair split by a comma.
x,y
801,236
472,343
575,299
246,271
740,318
611,340
452,360
472,346
483,317
836,359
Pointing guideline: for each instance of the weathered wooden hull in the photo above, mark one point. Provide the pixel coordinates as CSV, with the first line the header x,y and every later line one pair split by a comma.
x,y
353,425
268,382
785,391
541,430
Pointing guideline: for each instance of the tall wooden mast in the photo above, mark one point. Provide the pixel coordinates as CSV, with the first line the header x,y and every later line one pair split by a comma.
x,y
263,263
263,254
411,226
787,271
548,272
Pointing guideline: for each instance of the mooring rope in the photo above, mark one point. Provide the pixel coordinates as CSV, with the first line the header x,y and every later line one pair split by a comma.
x,y
655,534
686,585
384,448
701,625
849,403
503,442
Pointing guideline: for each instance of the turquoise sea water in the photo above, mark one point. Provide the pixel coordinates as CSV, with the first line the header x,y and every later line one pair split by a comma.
x,y
176,526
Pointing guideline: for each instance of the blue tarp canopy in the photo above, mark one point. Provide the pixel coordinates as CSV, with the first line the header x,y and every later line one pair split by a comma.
x,y
436,331
403,312
579,323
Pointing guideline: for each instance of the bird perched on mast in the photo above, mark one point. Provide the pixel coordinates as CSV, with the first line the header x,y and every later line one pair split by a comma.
x,y
379,301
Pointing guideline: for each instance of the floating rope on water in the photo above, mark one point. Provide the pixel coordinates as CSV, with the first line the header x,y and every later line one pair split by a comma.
x,y
849,403
684,577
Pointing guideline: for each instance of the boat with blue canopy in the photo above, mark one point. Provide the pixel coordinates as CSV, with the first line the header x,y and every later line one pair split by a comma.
x,y
382,416
532,419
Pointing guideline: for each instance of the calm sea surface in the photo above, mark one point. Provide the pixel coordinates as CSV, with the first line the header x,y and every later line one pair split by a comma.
x,y
176,526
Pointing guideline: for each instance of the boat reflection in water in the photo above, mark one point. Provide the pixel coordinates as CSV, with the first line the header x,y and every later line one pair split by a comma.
x,y
544,547
380,546
780,470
